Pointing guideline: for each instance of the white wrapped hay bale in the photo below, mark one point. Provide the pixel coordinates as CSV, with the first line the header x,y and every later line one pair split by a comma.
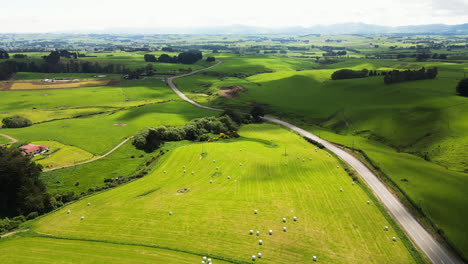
x,y
341,190
314,258
270,232
259,255
394,239
255,211
284,220
386,228
260,242
254,258
251,232
258,233
284,229
295,219
170,213
82,217
68,212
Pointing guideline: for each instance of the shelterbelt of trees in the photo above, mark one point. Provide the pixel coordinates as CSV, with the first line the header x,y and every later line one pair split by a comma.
x,y
390,77
52,64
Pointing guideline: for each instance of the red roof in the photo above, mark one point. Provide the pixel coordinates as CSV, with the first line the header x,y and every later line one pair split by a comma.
x,y
32,148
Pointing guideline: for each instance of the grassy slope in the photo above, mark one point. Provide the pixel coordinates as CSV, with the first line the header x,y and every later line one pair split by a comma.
x,y
49,250
60,155
430,186
338,227
419,117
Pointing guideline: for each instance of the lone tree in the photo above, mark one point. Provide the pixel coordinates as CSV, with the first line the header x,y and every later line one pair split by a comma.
x,y
21,190
16,121
462,87
257,113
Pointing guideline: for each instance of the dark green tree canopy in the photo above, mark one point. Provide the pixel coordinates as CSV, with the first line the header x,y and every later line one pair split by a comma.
x,y
16,121
21,190
462,87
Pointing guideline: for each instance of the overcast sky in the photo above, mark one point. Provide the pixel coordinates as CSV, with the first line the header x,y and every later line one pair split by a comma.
x,y
65,15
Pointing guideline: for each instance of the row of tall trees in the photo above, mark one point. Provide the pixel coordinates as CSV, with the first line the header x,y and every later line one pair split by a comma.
x,y
189,57
4,55
349,74
397,76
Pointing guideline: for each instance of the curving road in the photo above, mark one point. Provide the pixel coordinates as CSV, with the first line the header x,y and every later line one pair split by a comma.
x,y
434,250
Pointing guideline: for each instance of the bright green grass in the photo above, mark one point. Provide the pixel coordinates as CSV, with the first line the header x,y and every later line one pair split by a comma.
x,y
49,250
98,134
441,193
55,104
338,227
4,140
60,155
118,164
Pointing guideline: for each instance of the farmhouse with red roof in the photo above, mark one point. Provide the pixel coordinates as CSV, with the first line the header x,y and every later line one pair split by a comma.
x,y
31,149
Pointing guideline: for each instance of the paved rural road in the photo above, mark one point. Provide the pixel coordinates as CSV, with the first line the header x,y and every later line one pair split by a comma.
x,y
13,140
436,252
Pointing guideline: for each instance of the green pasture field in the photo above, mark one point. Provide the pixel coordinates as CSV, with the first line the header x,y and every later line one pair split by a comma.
x,y
337,227
420,117
50,250
4,140
46,105
98,134
60,155
118,164
439,192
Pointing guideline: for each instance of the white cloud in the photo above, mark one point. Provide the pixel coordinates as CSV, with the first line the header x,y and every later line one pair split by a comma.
x,y
56,15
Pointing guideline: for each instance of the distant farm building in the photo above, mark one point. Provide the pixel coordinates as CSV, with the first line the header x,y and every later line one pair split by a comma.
x,y
31,149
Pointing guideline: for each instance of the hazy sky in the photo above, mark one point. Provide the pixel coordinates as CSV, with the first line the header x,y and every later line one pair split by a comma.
x,y
64,15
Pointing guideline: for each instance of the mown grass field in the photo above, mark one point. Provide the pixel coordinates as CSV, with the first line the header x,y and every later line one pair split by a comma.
x,y
49,250
20,76
60,155
337,227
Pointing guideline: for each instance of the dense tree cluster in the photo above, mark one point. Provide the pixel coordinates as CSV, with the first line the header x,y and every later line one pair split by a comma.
x,y
151,138
210,59
150,58
462,87
396,76
4,55
257,113
20,56
16,121
189,57
21,190
349,74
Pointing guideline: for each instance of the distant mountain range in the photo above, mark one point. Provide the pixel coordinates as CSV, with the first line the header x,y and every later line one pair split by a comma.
x,y
344,28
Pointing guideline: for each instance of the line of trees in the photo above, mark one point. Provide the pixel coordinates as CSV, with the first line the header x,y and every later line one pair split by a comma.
x,y
349,74
397,76
189,57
